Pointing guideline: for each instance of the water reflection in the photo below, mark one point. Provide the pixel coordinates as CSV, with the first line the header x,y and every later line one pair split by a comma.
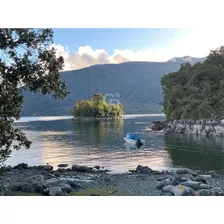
x,y
101,143
196,152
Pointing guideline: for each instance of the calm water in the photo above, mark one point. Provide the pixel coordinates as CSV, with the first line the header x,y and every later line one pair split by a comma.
x,y
62,140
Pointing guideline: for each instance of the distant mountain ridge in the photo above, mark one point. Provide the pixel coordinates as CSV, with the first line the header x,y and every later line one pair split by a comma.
x,y
135,84
186,59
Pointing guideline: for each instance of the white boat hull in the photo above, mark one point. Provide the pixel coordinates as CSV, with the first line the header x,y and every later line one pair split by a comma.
x,y
132,141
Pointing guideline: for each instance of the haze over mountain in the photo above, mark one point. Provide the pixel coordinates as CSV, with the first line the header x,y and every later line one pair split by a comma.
x,y
135,84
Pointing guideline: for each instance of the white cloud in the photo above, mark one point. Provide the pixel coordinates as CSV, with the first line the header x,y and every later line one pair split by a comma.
x,y
87,56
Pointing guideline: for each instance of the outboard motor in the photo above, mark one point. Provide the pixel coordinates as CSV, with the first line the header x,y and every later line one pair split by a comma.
x,y
139,142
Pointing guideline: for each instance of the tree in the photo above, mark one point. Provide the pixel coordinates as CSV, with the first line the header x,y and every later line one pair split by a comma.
x,y
97,107
27,63
196,91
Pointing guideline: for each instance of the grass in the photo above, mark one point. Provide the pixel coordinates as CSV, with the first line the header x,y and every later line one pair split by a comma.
x,y
25,194
94,192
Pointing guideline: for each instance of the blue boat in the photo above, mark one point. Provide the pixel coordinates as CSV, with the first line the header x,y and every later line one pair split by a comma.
x,y
134,138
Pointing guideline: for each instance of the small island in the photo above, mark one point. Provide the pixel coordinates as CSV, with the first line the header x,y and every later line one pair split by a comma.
x,y
97,108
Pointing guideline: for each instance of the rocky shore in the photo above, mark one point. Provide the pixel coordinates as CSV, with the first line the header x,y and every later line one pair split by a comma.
x,y
196,127
96,181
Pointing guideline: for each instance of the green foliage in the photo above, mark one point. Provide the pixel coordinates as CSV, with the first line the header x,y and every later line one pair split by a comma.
x,y
27,63
196,91
97,107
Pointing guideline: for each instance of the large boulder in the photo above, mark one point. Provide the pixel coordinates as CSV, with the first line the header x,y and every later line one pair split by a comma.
x,y
192,184
217,191
54,182
200,178
143,169
55,191
62,165
157,125
21,166
204,192
48,168
164,183
81,168
167,188
181,190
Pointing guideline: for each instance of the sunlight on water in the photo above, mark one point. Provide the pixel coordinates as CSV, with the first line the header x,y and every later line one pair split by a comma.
x,y
63,140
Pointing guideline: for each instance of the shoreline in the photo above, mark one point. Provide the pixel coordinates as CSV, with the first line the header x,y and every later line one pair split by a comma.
x,y
96,181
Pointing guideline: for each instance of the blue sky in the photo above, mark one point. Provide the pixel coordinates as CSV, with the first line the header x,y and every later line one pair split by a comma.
x,y
110,39
85,47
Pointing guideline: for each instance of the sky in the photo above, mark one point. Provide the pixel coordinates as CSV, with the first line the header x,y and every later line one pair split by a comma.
x,y
85,47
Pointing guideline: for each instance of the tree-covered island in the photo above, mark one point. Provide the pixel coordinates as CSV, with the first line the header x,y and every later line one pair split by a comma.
x,y
97,107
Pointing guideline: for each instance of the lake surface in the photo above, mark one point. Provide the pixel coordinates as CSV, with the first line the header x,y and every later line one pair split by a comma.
x,y
63,140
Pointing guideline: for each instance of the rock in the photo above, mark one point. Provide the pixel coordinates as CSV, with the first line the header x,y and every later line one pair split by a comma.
x,y
200,178
7,168
167,188
97,167
157,125
204,186
48,168
217,191
62,165
164,183
143,169
204,192
73,184
55,191
192,184
186,171
48,176
61,170
28,188
21,166
57,174
81,168
36,179
57,183
181,190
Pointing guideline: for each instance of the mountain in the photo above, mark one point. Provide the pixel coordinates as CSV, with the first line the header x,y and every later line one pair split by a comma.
x,y
186,59
135,84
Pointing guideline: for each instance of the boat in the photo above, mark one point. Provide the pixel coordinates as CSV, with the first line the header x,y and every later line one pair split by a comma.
x,y
134,138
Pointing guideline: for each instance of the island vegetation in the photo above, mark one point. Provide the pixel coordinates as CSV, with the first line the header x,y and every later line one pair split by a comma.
x,y
196,91
97,107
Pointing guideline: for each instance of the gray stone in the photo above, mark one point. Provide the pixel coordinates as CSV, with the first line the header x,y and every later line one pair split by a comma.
x,y
55,191
204,186
164,183
143,169
167,188
97,167
217,191
21,166
81,168
200,178
7,168
204,192
62,165
181,190
61,170
192,184
186,171
57,174
48,168
57,183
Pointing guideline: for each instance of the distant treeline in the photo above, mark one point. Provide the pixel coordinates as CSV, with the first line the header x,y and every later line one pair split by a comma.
x,y
97,107
196,91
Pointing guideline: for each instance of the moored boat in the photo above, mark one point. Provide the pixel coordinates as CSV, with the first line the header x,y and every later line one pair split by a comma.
x,y
134,138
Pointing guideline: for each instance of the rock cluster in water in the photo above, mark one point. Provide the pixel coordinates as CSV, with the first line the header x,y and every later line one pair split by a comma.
x,y
198,127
